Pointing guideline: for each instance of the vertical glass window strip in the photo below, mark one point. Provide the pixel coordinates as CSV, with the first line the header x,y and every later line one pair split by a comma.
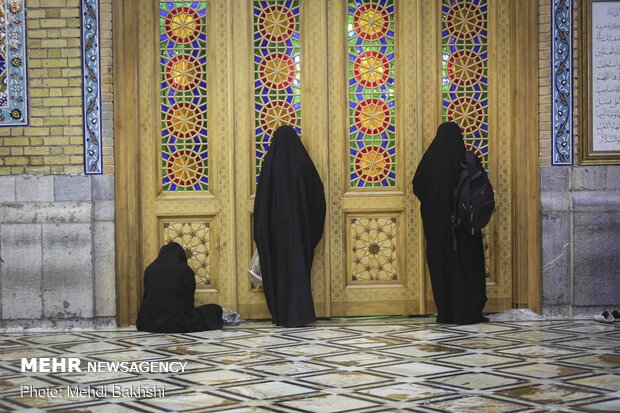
x,y
183,77
464,44
371,93
277,74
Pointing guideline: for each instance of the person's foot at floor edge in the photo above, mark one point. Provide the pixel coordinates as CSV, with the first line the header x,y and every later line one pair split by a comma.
x,y
480,320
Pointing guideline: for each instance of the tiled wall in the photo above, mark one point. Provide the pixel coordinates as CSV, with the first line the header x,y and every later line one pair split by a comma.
x,y
57,251
580,207
53,142
56,224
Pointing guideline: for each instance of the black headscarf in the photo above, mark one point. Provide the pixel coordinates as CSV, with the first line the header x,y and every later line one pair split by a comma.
x,y
457,277
168,303
289,213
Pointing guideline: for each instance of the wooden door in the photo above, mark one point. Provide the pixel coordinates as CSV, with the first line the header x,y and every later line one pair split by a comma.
x,y
366,83
467,75
280,49
397,69
186,155
376,267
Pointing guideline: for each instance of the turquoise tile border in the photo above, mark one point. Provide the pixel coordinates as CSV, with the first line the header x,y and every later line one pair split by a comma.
x,y
13,64
91,70
562,80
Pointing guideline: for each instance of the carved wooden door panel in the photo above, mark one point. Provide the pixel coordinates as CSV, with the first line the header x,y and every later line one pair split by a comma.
x,y
200,85
186,153
280,78
375,246
397,69
466,77
365,83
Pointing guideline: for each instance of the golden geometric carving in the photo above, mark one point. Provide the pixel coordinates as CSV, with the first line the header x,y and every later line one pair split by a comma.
x,y
314,37
418,75
373,249
389,296
504,141
158,208
194,238
222,137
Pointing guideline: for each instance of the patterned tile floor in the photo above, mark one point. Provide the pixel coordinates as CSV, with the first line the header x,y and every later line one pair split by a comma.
x,y
335,366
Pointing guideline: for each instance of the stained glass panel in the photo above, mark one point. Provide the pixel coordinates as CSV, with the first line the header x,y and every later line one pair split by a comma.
x,y
464,41
277,74
183,62
371,62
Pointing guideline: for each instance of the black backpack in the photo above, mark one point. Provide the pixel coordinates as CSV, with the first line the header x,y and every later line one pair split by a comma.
x,y
474,200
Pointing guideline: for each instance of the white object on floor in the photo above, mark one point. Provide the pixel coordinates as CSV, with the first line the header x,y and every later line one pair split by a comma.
x,y
515,314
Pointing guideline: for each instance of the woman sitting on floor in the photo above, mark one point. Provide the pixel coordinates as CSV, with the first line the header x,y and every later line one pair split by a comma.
x,y
168,303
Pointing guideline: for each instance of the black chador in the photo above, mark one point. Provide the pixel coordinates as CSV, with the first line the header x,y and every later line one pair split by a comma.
x,y
457,277
289,212
168,303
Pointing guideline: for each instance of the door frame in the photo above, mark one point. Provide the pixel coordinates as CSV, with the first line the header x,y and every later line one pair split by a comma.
x,y
526,242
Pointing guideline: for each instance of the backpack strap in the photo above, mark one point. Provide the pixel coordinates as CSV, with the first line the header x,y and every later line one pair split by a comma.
x,y
468,164
455,202
470,158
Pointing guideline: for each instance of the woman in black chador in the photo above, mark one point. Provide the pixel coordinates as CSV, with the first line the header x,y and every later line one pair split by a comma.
x,y
289,212
168,303
457,277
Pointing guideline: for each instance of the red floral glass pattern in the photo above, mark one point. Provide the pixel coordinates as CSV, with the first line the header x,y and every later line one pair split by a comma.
x,y
372,140
183,50
465,71
371,69
373,163
182,24
371,21
276,23
277,75
183,72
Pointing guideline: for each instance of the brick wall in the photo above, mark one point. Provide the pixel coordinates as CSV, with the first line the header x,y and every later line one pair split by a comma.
x,y
53,142
64,225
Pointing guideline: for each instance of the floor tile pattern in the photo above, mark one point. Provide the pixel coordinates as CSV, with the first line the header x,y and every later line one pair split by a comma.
x,y
409,365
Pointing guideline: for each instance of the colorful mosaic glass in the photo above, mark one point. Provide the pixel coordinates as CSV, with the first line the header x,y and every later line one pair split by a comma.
x,y
13,72
183,60
277,75
464,41
371,92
